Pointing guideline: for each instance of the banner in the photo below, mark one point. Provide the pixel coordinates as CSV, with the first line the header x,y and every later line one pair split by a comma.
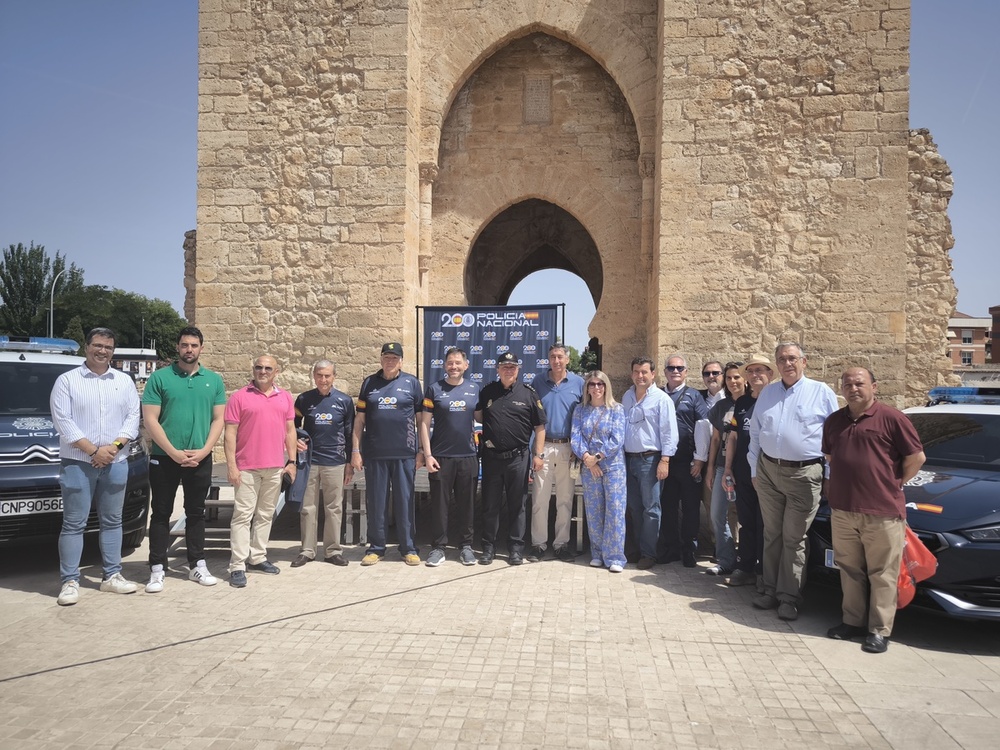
x,y
485,333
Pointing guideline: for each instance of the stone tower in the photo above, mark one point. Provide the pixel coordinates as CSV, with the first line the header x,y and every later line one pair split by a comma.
x,y
722,174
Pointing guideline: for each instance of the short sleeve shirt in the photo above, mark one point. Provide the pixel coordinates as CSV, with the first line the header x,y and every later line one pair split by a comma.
x,y
329,420
186,403
262,423
390,408
453,407
866,459
510,415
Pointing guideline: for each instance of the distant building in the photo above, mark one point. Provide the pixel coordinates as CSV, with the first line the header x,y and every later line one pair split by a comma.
x,y
969,339
994,355
139,363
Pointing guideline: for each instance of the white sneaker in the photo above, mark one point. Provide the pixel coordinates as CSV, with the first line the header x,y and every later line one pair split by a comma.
x,y
595,563
155,585
200,574
118,584
69,593
616,568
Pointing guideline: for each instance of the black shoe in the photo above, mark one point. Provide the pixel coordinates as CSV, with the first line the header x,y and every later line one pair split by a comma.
x,y
265,567
301,560
875,644
565,554
487,557
535,554
688,559
845,632
645,563
514,558
338,560
718,570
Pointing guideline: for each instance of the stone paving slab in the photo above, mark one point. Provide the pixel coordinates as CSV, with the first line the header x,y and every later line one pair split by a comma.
x,y
547,655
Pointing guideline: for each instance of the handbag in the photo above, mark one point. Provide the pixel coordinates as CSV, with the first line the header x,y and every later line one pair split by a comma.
x,y
917,564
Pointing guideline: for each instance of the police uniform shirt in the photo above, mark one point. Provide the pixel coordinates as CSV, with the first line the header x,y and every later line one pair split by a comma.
x,y
510,415
389,407
453,407
329,420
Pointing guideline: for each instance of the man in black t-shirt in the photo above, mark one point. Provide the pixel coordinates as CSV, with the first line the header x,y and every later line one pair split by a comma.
x,y
450,454
510,412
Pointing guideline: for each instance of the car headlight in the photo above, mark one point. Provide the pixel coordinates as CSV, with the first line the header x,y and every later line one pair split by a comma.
x,y
985,534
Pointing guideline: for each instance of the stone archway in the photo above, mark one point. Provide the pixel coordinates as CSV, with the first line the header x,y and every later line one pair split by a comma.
x,y
530,236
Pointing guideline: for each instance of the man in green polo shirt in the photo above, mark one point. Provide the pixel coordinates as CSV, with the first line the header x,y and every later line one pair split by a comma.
x,y
182,409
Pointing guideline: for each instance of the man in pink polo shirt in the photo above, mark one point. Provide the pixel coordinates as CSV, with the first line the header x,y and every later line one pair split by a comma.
x,y
260,448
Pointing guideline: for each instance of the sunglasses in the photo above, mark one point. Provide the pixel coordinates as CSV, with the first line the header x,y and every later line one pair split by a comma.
x,y
261,368
676,368
711,373
595,385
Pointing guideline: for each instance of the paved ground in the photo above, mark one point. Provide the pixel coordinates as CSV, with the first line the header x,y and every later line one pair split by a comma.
x,y
549,655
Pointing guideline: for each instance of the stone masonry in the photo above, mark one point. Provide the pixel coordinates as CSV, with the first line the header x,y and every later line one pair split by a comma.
x,y
722,174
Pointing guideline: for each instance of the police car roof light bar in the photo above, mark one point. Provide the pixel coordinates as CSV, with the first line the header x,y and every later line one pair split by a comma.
x,y
38,344
964,395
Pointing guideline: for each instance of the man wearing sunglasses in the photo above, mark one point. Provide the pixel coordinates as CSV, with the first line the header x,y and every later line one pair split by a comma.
x,y
711,375
260,447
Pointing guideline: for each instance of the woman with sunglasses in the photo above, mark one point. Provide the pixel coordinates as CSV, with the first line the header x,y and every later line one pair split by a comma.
x,y
597,438
720,416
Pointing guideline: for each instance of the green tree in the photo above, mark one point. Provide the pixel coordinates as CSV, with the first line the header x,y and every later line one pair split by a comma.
x,y
74,330
574,359
137,320
26,276
588,360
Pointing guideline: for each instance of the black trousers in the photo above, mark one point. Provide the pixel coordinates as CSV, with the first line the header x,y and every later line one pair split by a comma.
x,y
500,476
457,477
680,511
164,478
751,546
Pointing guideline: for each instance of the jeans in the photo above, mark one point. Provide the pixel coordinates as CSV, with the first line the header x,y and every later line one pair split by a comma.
x,y
643,493
459,476
164,477
84,486
380,476
725,549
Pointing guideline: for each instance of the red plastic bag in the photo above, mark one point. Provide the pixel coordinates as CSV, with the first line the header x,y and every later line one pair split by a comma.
x,y
918,564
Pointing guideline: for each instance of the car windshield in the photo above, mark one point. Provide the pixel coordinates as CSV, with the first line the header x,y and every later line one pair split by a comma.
x,y
971,440
25,386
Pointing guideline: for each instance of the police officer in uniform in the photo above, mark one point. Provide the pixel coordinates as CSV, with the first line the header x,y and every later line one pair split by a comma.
x,y
510,412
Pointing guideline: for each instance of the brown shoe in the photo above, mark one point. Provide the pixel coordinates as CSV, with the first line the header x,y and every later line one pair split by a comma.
x,y
301,560
645,563
339,560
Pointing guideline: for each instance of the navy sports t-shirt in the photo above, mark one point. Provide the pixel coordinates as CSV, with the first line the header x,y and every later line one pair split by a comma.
x,y
390,407
453,407
329,420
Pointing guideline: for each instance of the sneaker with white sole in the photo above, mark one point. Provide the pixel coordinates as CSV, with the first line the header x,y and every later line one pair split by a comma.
x,y
595,563
118,584
615,568
435,558
155,585
467,556
69,593
200,574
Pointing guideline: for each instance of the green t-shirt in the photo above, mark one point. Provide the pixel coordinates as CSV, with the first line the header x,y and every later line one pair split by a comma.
x,y
186,403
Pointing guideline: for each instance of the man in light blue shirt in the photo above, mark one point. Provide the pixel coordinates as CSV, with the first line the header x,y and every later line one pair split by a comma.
x,y
650,441
787,467
560,391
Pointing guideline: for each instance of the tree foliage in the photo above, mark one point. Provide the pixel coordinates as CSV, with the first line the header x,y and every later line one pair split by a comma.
x,y
26,275
137,320
74,330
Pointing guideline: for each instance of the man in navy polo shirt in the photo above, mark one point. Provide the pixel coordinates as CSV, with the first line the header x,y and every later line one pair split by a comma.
x,y
450,454
560,392
385,446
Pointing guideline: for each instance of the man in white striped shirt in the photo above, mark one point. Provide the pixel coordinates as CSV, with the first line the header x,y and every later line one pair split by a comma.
x,y
95,409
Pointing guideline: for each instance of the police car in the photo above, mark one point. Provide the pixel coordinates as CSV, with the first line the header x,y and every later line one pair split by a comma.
x,y
30,498
952,504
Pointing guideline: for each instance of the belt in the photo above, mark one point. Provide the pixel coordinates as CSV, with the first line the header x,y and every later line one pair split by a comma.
x,y
505,454
644,454
556,441
793,464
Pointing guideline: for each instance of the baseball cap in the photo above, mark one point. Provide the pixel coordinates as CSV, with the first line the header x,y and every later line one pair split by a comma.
x,y
393,348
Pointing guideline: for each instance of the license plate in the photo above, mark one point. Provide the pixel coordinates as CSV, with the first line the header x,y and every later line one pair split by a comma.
x,y
830,562
30,505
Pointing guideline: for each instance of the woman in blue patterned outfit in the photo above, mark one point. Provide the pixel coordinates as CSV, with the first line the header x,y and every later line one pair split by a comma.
x,y
597,438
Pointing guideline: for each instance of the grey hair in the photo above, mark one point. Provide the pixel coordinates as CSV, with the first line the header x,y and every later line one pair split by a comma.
x,y
681,357
787,344
322,364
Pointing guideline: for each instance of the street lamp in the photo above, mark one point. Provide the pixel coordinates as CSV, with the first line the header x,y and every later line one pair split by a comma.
x,y
52,297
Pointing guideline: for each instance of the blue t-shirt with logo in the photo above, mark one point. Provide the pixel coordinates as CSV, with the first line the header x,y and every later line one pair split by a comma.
x,y
453,407
329,420
390,408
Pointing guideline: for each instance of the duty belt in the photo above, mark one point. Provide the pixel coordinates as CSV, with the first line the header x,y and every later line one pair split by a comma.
x,y
793,464
505,454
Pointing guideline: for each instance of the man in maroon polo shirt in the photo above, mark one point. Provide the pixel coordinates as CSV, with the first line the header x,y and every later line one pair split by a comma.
x,y
872,450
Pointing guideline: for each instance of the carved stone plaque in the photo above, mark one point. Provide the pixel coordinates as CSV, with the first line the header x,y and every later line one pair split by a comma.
x,y
537,100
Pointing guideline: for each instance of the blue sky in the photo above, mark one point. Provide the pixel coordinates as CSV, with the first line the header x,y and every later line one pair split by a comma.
x,y
99,132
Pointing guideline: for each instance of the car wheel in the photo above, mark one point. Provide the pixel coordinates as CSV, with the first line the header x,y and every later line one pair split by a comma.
x,y
133,540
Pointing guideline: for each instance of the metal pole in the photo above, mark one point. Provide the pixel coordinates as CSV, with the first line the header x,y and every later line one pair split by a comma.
x,y
52,298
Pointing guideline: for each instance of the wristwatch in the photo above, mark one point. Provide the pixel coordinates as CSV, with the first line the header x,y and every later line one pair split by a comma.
x,y
118,444
540,455
599,456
